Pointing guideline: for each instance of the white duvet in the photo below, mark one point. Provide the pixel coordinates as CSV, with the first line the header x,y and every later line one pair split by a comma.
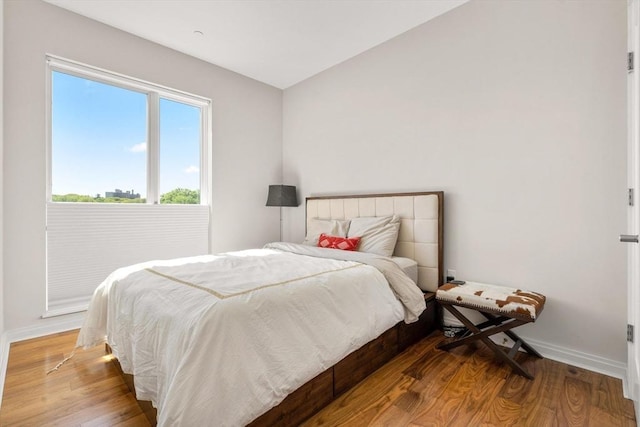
x,y
221,339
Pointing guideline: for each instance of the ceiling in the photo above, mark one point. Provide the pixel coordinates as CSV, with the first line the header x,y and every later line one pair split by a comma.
x,y
278,42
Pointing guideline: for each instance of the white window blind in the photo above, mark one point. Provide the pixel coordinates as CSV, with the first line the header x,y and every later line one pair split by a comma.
x,y
87,241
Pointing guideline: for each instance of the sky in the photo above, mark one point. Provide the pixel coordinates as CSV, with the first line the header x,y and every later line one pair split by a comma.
x,y
99,139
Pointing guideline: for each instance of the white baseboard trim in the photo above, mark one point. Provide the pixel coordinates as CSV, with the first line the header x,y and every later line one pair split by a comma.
x,y
566,355
48,327
576,358
587,361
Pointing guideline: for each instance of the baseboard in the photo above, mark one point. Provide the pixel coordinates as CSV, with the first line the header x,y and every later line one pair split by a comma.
x,y
47,327
566,355
587,361
576,358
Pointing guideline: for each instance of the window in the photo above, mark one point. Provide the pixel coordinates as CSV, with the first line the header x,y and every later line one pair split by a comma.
x,y
118,140
98,141
130,159
179,179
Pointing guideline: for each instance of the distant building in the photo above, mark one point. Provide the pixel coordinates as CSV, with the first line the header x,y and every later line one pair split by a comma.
x,y
119,193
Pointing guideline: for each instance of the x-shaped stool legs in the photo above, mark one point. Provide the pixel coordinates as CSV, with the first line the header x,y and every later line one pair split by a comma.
x,y
493,325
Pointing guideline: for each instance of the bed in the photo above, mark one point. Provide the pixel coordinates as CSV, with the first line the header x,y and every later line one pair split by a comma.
x,y
339,315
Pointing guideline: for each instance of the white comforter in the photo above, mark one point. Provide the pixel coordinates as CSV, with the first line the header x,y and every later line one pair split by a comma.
x,y
221,339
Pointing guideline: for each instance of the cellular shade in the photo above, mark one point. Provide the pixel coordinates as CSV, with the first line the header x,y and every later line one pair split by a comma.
x,y
87,241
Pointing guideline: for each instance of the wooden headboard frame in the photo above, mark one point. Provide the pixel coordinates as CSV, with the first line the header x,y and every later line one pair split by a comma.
x,y
421,225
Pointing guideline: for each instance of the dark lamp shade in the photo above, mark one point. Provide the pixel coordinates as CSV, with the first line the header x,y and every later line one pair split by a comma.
x,y
282,195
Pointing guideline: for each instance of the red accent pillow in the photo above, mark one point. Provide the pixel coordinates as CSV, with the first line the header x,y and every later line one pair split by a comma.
x,y
335,242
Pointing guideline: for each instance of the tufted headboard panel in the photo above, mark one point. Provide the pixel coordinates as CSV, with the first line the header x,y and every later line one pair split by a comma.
x,y
421,225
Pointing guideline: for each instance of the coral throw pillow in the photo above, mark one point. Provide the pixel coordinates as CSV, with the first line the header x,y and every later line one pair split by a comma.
x,y
335,242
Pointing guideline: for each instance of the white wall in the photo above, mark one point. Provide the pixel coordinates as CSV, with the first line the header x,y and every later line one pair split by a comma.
x,y
517,111
247,134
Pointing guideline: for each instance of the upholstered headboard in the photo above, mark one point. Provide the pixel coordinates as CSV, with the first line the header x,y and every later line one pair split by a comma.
x,y
421,226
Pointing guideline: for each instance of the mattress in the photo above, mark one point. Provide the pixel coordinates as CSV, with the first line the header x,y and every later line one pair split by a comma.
x,y
409,266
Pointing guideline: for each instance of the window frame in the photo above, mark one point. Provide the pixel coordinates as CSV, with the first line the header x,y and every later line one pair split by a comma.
x,y
154,93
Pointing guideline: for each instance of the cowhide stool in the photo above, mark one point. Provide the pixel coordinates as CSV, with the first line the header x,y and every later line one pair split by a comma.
x,y
504,308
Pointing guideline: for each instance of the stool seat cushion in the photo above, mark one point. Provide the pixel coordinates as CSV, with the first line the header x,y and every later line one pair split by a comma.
x,y
510,302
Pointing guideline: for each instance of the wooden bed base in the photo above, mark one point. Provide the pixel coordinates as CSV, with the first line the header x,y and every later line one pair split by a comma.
x,y
324,388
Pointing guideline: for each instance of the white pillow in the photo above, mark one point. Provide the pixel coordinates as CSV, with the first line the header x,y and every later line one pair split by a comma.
x,y
332,227
378,235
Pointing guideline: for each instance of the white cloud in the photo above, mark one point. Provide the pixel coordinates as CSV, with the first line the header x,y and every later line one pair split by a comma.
x,y
138,148
192,169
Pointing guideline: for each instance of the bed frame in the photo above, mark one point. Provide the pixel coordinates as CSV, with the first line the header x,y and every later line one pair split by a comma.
x,y
420,238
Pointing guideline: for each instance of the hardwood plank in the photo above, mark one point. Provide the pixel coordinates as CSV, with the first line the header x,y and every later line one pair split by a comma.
x,y
420,387
532,403
84,389
382,410
553,375
603,391
60,406
629,411
541,417
445,405
392,417
137,421
517,388
502,412
539,404
364,405
580,374
116,409
385,378
599,418
575,404
481,400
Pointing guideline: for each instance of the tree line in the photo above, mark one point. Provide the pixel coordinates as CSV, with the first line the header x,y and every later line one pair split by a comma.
x,y
178,196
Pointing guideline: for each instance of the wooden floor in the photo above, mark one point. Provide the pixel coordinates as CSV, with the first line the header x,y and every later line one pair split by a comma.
x,y
420,387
